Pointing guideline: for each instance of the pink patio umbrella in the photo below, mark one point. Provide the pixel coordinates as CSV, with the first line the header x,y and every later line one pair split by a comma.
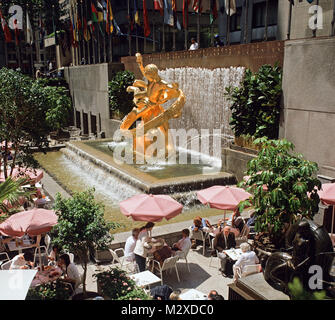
x,y
33,222
33,174
223,197
150,208
327,196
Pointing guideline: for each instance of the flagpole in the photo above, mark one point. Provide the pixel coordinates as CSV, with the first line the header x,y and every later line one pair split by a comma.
x,y
186,27
246,21
228,24
332,32
153,35
289,21
82,27
198,24
129,30
163,47
266,20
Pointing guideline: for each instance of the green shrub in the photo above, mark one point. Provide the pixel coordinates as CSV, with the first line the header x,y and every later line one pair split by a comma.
x,y
116,285
291,187
56,290
120,101
256,104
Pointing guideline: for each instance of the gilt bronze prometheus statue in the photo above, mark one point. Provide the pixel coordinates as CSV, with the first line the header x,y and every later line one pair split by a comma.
x,y
148,98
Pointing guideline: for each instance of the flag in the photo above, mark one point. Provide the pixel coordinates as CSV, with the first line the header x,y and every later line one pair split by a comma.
x,y
168,13
175,16
196,6
104,4
79,28
214,11
109,22
146,20
74,33
94,13
158,5
232,7
91,28
29,31
87,35
100,12
185,13
136,14
17,32
8,36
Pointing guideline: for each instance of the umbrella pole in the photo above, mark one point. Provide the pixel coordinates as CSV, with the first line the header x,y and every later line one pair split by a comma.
x,y
224,218
332,227
40,257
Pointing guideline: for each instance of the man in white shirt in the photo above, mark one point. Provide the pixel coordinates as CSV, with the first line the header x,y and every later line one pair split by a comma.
x,y
194,45
130,245
247,258
184,244
22,261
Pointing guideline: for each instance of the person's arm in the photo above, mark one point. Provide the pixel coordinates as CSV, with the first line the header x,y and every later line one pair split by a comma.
x,y
216,239
233,243
239,262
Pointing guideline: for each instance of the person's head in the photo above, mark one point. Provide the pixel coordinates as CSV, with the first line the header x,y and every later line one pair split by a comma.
x,y
245,247
175,295
211,294
28,256
197,221
185,233
55,248
192,40
64,260
135,232
151,72
226,231
148,226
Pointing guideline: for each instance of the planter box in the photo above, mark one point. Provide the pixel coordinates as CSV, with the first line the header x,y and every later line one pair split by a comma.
x,y
246,142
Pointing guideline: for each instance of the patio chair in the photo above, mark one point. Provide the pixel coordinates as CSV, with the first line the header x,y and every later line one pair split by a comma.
x,y
44,249
243,237
3,257
183,255
247,270
168,264
210,261
201,236
6,265
129,265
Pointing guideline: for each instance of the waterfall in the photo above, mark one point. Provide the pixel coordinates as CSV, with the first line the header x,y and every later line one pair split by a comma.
x,y
206,106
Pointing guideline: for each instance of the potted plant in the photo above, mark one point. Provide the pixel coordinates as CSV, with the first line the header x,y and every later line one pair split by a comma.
x,y
56,290
256,106
284,188
114,284
81,227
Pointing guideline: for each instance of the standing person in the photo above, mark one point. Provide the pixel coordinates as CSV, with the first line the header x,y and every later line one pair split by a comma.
x,y
130,245
53,256
194,45
141,246
224,240
184,244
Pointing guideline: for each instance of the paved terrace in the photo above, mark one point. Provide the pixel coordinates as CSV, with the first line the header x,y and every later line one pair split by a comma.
x,y
201,276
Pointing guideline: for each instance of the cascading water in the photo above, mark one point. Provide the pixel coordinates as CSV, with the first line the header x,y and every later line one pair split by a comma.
x,y
206,105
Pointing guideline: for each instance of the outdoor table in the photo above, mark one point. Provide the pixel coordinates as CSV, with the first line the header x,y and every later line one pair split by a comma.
x,y
234,254
26,245
145,278
44,276
193,294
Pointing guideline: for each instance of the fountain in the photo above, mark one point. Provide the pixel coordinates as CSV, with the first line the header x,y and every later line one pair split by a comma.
x,y
185,157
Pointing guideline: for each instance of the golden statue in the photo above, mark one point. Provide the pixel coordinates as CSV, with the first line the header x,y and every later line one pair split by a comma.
x,y
148,98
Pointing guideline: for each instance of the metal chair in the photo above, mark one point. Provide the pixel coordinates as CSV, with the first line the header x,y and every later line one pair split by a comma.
x,y
201,236
129,265
168,264
243,237
3,260
47,241
210,261
6,265
183,255
247,270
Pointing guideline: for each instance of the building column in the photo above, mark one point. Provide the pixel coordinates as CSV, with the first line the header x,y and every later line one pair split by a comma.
x,y
89,120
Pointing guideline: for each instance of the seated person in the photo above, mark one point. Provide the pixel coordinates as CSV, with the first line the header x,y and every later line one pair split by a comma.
x,y
246,259
213,295
71,273
161,292
236,223
200,224
40,202
54,255
251,220
175,295
22,261
130,245
184,244
224,240
160,251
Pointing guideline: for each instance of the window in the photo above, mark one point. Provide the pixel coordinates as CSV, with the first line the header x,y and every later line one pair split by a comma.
x,y
259,14
235,20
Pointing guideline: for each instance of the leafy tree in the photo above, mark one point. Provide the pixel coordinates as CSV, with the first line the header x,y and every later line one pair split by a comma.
x,y
297,292
256,104
291,187
120,101
29,112
81,226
